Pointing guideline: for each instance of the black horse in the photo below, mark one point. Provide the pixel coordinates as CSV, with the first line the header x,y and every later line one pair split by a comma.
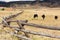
x,y
43,16
35,15
56,17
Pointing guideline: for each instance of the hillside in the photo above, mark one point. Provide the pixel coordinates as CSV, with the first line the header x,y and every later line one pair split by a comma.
x,y
46,3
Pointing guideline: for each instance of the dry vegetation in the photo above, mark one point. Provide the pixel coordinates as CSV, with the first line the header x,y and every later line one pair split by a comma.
x,y
28,14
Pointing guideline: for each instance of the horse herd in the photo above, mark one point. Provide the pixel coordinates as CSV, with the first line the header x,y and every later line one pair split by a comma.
x,y
43,16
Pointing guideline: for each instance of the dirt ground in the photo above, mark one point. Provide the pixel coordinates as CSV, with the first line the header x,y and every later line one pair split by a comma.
x,y
28,14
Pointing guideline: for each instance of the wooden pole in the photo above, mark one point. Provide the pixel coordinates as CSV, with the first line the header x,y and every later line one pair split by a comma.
x,y
22,27
38,33
38,26
41,26
12,16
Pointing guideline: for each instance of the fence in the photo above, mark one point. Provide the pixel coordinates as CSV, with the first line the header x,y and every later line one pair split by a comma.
x,y
21,23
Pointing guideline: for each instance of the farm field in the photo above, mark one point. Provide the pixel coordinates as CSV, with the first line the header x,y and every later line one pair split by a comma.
x,y
28,14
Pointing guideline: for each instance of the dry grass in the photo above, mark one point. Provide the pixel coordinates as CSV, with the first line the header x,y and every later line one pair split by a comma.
x,y
28,15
